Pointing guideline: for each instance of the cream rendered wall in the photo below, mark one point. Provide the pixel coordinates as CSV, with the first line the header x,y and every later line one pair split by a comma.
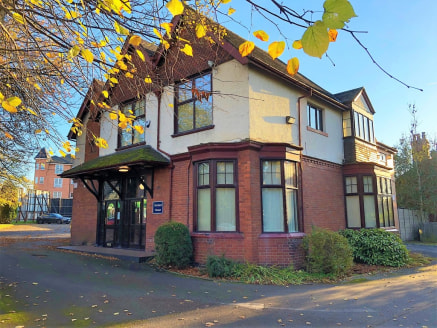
x,y
152,116
270,102
109,132
230,111
80,145
329,145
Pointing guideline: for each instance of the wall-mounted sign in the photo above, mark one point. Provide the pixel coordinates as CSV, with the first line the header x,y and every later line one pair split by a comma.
x,y
158,207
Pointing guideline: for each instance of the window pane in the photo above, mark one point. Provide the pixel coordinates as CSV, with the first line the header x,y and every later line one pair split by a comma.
x,y
139,107
273,210
365,128
225,173
185,91
353,212
203,174
126,137
204,210
271,172
369,211
291,198
380,211
185,117
139,137
391,220
203,113
368,184
203,83
225,209
356,124
290,174
351,185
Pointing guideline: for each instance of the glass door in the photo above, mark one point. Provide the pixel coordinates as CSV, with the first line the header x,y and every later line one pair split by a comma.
x,y
112,223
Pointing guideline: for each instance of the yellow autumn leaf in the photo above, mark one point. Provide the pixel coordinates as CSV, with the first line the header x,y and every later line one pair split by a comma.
x,y
36,85
1,96
121,64
167,27
101,143
260,34
8,135
332,35
246,48
62,153
293,66
87,55
31,112
14,101
225,1
276,49
8,107
231,11
113,80
135,40
188,50
38,131
297,44
141,55
129,75
148,79
200,30
139,129
175,7
19,18
120,29
105,93
113,116
51,152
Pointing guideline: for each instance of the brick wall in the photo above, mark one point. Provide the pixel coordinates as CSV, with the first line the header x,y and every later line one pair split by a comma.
x,y
323,195
84,217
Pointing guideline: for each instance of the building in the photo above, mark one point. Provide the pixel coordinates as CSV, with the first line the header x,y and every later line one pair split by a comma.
x,y
47,170
247,156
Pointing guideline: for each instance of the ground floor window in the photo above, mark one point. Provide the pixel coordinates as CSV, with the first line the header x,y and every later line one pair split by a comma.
x,y
279,196
216,190
361,206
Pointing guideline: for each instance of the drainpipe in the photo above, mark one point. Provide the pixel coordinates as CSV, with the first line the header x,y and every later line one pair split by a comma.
x,y
299,118
158,133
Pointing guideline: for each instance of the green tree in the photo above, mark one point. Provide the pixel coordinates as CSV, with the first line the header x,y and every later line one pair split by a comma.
x,y
8,200
416,172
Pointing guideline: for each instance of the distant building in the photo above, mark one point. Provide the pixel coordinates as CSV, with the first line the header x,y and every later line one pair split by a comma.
x,y
47,170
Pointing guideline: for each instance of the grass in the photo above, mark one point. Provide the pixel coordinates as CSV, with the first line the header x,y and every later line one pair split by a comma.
x,y
417,259
8,315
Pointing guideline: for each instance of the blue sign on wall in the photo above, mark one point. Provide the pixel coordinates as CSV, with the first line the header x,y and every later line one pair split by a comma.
x,y
158,207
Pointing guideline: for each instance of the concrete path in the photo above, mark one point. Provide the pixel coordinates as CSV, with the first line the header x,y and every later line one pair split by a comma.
x,y
46,287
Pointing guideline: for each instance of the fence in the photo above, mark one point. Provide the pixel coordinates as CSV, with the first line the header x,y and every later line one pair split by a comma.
x,y
409,223
36,202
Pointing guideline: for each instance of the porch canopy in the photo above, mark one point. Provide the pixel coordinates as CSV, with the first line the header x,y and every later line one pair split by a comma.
x,y
133,161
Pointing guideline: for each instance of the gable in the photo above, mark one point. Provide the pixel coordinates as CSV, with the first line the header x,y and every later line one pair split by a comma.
x,y
362,105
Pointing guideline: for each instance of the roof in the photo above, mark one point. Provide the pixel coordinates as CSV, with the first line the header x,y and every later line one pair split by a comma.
x,y
139,156
43,154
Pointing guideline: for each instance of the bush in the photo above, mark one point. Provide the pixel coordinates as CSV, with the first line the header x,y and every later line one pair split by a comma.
x,y
173,245
7,214
327,252
377,247
219,266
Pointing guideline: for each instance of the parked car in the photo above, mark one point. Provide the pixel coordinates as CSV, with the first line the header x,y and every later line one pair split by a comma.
x,y
52,218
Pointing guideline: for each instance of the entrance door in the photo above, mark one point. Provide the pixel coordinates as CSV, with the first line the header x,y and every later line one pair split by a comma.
x,y
112,223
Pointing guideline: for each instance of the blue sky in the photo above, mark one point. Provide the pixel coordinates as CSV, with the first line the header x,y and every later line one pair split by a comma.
x,y
402,38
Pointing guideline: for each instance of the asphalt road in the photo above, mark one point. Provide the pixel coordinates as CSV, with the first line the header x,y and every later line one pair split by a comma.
x,y
41,286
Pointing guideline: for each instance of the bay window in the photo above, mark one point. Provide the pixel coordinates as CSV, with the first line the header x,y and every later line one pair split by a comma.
x,y
279,196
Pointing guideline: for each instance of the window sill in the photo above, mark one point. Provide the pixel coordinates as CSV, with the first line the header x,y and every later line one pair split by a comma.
x,y
131,146
317,131
209,127
222,235
282,235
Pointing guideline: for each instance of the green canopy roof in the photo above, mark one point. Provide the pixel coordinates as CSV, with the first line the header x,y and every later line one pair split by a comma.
x,y
144,155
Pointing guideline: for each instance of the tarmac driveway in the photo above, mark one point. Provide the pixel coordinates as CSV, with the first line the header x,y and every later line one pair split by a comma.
x,y
41,286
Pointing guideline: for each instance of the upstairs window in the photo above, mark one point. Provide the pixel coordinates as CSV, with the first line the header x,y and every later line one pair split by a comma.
x,y
57,194
193,104
315,117
363,127
42,166
134,133
59,168
41,180
58,183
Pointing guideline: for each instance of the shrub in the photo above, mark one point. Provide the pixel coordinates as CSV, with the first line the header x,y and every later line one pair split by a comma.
x,y
377,247
327,252
173,245
219,266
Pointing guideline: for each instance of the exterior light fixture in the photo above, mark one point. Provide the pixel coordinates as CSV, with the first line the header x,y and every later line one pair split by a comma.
x,y
123,168
290,120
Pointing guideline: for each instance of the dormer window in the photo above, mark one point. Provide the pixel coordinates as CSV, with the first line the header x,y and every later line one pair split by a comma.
x,y
193,104
363,127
